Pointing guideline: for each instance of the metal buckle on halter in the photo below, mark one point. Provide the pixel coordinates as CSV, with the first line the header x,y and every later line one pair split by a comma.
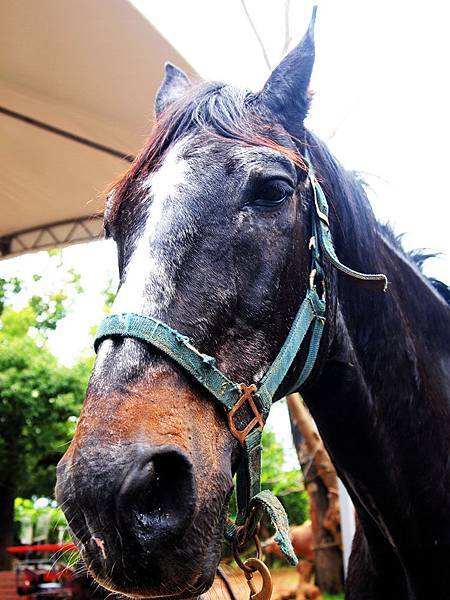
x,y
312,283
258,419
322,216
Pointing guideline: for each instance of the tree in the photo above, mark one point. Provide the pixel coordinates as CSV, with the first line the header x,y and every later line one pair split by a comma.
x,y
321,485
39,400
42,515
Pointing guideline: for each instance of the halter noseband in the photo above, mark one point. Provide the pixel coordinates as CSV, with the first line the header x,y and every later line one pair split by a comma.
x,y
251,502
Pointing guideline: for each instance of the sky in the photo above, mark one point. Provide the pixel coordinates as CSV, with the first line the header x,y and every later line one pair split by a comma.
x,y
381,102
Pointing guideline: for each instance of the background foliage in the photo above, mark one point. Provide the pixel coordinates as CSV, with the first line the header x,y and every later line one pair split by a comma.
x,y
39,398
286,484
28,513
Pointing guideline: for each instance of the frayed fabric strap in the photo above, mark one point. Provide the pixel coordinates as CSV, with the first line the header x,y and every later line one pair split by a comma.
x,y
175,345
266,503
312,310
203,367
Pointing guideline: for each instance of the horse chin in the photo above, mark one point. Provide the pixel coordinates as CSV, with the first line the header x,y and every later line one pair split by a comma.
x,y
193,590
184,568
178,582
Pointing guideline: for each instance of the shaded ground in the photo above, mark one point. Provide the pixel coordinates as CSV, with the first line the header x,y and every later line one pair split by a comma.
x,y
284,581
8,586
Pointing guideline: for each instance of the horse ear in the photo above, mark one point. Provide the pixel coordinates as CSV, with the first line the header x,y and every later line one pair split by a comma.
x,y
286,90
175,84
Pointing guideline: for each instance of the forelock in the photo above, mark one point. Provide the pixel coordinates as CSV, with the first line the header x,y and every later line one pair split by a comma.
x,y
224,111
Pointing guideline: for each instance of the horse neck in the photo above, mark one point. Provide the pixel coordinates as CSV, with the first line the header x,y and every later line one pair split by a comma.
x,y
382,400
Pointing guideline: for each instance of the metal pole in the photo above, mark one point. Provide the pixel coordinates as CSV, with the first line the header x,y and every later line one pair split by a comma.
x,y
347,523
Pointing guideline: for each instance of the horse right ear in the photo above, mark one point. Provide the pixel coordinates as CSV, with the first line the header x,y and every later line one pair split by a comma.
x,y
286,90
175,84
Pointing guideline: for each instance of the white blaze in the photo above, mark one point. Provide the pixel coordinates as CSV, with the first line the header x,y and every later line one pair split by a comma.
x,y
146,271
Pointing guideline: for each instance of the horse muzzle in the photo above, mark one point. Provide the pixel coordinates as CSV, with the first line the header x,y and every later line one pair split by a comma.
x,y
129,510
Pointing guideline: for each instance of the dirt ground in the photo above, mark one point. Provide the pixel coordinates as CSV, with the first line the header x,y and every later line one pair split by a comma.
x,y
284,580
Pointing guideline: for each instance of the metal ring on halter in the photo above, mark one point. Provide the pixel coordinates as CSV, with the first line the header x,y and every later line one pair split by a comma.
x,y
239,560
265,593
312,282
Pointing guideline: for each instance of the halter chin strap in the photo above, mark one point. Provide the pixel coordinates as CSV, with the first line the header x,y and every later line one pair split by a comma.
x,y
251,502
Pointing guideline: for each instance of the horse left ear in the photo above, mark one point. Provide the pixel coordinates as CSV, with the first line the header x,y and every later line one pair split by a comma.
x,y
175,84
286,90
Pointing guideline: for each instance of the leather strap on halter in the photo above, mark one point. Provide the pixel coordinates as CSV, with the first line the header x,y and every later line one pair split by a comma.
x,y
251,502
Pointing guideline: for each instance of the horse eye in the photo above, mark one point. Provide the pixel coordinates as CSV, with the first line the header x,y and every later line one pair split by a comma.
x,y
272,194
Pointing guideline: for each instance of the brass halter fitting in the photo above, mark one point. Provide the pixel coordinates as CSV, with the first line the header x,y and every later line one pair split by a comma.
x,y
252,565
258,419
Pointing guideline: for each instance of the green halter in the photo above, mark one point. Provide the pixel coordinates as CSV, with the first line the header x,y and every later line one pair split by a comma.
x,y
251,502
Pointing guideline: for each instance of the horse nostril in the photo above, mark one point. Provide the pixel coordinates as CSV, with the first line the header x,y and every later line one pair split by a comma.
x,y
157,497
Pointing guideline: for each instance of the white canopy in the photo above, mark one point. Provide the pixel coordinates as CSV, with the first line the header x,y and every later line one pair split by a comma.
x,y
77,81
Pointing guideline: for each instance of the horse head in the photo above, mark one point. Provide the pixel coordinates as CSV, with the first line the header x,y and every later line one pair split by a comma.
x,y
212,236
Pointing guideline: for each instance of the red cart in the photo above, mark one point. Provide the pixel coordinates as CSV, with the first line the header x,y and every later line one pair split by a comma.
x,y
51,578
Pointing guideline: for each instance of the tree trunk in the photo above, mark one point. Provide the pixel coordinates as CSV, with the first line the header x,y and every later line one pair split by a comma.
x,y
321,485
7,495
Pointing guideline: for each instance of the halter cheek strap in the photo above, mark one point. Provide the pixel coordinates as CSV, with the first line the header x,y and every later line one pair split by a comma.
x,y
251,501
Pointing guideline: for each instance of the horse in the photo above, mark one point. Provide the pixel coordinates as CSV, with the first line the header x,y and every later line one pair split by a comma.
x,y
213,230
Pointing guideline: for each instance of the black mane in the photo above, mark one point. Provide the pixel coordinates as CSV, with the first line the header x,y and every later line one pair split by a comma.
x,y
358,213
418,257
